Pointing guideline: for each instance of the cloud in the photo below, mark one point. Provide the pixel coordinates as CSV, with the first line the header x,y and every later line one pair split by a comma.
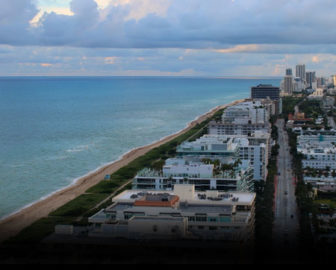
x,y
45,65
15,17
214,37
215,24
239,49
67,61
315,59
110,60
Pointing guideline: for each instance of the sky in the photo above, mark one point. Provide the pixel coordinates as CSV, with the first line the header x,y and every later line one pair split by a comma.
x,y
166,37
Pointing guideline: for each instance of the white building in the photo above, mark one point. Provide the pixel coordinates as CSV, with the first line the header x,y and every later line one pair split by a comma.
x,y
179,167
318,155
235,177
301,72
252,149
318,94
209,145
250,112
298,85
179,214
243,119
317,136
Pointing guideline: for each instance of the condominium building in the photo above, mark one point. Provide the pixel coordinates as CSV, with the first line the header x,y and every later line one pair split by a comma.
x,y
317,136
288,84
250,112
318,94
231,177
181,213
301,72
236,129
298,85
311,79
210,146
251,149
318,155
242,119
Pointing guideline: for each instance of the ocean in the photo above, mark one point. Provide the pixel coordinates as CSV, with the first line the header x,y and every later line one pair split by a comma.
x,y
53,130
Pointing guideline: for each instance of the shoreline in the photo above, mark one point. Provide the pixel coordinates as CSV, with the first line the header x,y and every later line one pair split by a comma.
x,y
12,224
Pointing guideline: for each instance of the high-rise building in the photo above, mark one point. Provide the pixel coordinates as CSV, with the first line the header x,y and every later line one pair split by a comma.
x,y
301,72
288,84
289,72
298,85
321,82
310,78
334,80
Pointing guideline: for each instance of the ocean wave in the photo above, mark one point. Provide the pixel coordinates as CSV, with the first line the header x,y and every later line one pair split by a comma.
x,y
79,148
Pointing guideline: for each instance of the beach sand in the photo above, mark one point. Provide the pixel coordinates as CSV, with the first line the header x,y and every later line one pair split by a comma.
x,y
13,224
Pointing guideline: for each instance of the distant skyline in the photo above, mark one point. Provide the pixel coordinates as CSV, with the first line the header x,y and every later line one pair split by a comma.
x,y
166,37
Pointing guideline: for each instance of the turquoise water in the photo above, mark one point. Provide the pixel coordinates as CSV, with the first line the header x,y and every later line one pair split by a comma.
x,y
55,130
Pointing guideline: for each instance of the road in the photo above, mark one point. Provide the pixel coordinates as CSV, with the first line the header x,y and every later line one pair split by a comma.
x,y
286,224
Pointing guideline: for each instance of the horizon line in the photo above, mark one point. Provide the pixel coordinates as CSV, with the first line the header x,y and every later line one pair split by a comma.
x,y
148,76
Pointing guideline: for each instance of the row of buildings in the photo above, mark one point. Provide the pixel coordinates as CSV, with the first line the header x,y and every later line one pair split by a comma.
x,y
318,149
316,145
205,191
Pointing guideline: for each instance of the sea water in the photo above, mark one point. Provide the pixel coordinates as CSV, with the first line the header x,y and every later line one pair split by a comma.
x,y
54,130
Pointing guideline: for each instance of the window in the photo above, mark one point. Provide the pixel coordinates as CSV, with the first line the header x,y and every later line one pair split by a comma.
x,y
212,219
191,219
201,217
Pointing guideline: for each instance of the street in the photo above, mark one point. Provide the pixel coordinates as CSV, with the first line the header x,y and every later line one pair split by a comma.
x,y
286,223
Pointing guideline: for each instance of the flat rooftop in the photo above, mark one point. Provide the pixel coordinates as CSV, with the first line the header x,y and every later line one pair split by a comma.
x,y
210,197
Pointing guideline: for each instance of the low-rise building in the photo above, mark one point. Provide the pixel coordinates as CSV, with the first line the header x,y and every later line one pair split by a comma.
x,y
179,214
323,183
309,134
210,146
318,155
232,177
318,94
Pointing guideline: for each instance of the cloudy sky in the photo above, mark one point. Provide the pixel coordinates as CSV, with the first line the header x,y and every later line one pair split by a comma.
x,y
166,37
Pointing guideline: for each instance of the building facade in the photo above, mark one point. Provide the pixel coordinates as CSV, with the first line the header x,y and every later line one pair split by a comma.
x,y
264,91
253,149
301,72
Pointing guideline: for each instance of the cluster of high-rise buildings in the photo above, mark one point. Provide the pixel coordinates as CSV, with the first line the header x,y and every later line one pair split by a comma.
x,y
302,80
206,191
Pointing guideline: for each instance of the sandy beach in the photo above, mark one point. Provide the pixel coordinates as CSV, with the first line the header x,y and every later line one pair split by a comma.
x,y
13,224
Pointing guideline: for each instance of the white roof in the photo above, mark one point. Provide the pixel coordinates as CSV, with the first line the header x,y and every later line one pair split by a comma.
x,y
245,198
